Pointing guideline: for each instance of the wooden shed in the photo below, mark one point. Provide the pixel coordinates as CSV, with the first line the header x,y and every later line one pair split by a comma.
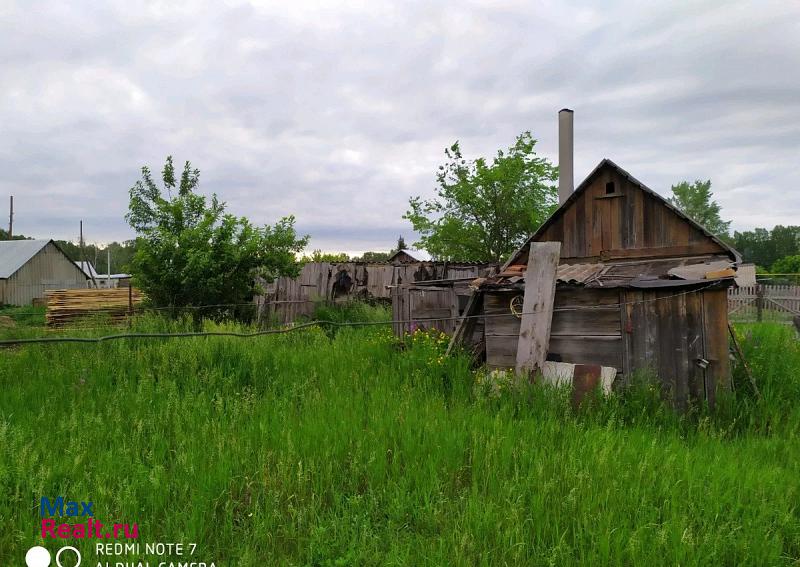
x,y
639,286
30,267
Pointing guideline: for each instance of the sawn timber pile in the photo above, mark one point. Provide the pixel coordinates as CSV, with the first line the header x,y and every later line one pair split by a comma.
x,y
66,305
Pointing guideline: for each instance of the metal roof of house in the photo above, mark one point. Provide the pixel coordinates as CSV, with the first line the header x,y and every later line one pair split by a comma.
x,y
15,253
418,255
88,269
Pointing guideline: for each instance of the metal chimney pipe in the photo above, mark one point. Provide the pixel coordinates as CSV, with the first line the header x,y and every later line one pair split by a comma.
x,y
566,183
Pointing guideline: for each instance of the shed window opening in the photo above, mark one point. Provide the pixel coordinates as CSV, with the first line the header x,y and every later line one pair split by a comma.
x,y
611,188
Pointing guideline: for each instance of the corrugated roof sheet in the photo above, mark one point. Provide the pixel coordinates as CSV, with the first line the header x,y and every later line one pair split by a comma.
x,y
652,273
578,273
15,253
746,275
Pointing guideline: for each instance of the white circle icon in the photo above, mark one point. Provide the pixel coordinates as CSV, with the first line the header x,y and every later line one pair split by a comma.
x,y
62,550
37,556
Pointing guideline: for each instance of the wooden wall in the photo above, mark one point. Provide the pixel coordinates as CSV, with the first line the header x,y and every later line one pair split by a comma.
x,y
288,299
632,330
598,225
667,333
585,329
425,308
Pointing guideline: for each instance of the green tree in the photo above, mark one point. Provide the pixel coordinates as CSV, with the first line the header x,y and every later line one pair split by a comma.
x,y
695,200
787,265
330,257
484,210
765,247
375,257
4,236
401,244
189,252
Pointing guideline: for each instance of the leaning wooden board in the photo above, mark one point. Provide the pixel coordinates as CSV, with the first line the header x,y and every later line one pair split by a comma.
x,y
537,306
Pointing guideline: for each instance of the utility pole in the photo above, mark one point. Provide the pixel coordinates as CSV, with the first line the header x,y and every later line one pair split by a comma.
x,y
108,266
11,219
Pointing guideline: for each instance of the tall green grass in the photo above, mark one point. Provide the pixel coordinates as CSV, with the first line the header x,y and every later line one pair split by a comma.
x,y
314,448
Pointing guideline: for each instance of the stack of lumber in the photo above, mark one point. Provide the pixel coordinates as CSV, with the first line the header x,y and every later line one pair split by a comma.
x,y
67,305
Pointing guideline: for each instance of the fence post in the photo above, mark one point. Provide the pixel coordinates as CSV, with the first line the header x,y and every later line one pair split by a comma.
x,y
759,302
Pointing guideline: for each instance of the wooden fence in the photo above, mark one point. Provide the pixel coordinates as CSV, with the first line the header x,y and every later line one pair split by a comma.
x,y
764,302
289,299
429,305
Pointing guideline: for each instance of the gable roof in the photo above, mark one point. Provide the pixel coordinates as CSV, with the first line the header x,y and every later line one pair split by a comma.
x,y
607,163
15,253
417,255
88,269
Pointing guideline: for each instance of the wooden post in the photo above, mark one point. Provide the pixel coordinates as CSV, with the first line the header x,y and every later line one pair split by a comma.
x,y
759,302
537,307
797,322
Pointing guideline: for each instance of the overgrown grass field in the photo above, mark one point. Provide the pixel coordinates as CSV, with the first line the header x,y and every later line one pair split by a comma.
x,y
349,448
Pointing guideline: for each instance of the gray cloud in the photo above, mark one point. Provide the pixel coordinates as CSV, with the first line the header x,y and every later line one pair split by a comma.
x,y
339,113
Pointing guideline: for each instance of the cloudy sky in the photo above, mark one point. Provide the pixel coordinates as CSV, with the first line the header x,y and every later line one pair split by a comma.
x,y
337,113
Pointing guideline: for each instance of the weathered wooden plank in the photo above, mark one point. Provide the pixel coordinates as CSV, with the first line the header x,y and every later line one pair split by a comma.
x,y
468,323
604,321
537,316
626,328
680,344
596,241
661,251
605,351
421,313
665,347
577,247
505,326
715,322
695,346
497,302
501,352
575,296
570,220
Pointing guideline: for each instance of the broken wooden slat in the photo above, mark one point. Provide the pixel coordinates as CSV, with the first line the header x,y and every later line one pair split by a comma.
x,y
537,307
467,322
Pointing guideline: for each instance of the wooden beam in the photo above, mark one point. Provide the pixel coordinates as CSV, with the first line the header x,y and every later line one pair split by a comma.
x,y
537,307
663,251
467,322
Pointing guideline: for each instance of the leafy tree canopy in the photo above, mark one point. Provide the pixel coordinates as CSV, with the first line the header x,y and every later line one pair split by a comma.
x,y
695,200
376,257
765,247
484,210
189,252
787,265
4,236
330,257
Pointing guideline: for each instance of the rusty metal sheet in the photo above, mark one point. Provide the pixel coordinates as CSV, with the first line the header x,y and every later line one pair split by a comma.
x,y
585,380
